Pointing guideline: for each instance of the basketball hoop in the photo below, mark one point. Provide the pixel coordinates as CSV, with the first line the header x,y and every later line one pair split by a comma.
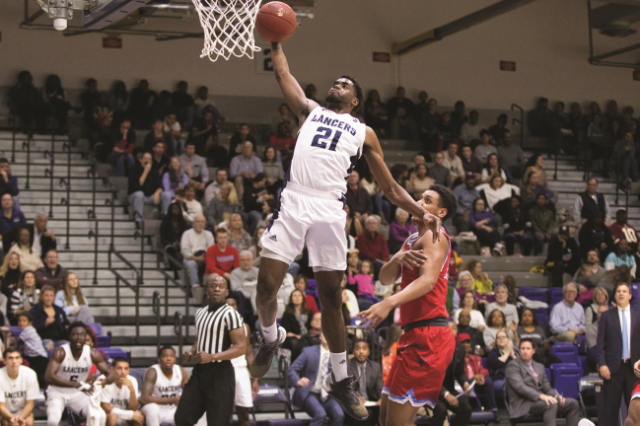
x,y
228,27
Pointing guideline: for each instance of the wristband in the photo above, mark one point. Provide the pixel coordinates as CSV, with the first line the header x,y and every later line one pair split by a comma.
x,y
123,414
446,394
84,386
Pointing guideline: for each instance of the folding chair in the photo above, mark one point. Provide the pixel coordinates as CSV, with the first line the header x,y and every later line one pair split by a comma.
x,y
568,354
528,418
555,296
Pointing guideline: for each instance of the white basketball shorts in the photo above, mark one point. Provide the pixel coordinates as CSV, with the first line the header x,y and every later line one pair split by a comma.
x,y
313,217
244,397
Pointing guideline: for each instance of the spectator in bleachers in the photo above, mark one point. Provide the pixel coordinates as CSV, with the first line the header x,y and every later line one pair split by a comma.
x,y
308,373
182,100
530,329
469,299
400,173
599,298
353,266
589,202
567,317
160,162
485,148
282,140
255,195
470,163
458,117
195,167
238,237
562,129
450,399
620,256
454,164
365,284
419,181
563,256
372,245
171,125
400,111
52,273
190,206
296,320
244,280
498,130
9,275
255,249
352,228
510,282
540,120
70,299
301,283
621,230
11,219
500,355
427,117
122,143
530,190
49,319
241,135
204,128
496,322
611,113
510,312
615,362
358,198
368,375
535,164
530,391
624,159
158,135
244,168
597,142
89,99
164,105
470,131
102,119
34,351
611,279
483,223
29,258
194,245
221,258
42,238
475,371
481,282
273,170
399,230
24,100
439,172
285,116
496,190
145,187
511,156
312,338
515,222
542,223
141,104
8,182
466,195
224,204
375,114
175,178
24,296
594,235
118,96
446,131
171,229
591,337
213,189
493,168
463,319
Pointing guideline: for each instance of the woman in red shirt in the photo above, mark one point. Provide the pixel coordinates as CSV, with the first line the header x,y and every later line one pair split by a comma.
x,y
122,155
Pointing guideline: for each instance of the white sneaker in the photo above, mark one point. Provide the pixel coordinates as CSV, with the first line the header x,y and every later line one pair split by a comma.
x,y
497,249
586,422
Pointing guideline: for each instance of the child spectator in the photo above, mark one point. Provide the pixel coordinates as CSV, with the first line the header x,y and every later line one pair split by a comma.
x,y
366,286
34,350
123,141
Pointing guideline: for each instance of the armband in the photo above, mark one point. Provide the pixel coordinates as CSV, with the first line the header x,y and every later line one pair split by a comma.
x,y
123,414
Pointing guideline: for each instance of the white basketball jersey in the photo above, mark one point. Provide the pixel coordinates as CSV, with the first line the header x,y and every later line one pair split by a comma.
x,y
167,388
16,393
328,146
75,371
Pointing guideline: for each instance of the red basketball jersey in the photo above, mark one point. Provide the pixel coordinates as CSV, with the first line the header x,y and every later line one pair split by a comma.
x,y
433,304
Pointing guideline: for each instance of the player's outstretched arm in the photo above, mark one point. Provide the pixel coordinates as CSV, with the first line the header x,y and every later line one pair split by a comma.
x,y
435,253
392,190
293,93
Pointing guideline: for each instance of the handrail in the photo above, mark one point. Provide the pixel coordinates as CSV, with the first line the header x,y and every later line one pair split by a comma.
x,y
53,156
177,329
91,172
156,312
169,279
126,262
518,107
13,141
141,235
136,290
28,146
67,182
555,172
94,234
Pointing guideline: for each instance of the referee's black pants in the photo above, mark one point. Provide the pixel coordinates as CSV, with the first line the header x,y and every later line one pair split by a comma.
x,y
211,389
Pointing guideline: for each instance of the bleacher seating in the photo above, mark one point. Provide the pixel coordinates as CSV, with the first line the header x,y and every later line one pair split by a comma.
x,y
567,353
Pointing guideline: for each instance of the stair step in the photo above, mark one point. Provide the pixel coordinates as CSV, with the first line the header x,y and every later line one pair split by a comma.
x,y
506,263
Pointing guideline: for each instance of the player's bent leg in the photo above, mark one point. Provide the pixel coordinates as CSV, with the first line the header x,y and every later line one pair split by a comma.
x,y
29,420
633,417
399,414
55,408
243,416
270,276
384,403
151,413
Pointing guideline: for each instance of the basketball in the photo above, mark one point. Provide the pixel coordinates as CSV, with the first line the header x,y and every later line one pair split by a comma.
x,y
276,21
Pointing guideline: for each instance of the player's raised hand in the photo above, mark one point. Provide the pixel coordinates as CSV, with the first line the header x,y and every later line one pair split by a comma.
x,y
433,223
376,314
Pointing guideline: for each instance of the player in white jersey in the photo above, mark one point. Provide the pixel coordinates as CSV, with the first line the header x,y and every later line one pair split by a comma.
x,y
18,390
68,377
119,399
246,388
330,141
162,388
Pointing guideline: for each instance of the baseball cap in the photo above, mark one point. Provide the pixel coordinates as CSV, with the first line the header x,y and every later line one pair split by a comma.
x,y
462,337
469,175
564,230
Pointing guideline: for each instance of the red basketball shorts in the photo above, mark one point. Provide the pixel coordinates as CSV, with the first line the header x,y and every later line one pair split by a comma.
x,y
424,353
636,391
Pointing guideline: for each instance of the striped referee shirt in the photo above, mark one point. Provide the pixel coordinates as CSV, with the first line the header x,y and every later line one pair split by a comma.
x,y
213,327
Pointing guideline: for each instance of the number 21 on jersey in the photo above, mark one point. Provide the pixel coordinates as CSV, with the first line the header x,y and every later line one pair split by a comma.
x,y
322,137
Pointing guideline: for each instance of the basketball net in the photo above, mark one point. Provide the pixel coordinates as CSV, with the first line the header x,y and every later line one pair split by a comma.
x,y
228,27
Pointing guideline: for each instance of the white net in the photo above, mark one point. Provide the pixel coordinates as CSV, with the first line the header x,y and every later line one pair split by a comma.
x,y
228,27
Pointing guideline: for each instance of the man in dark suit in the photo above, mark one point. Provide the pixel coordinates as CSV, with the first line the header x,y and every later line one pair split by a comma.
x,y
369,384
308,373
449,398
633,418
614,353
42,239
530,392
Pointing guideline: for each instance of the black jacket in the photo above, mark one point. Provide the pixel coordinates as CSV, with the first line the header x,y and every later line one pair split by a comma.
x,y
373,377
46,243
150,142
151,183
290,323
590,207
476,337
39,316
455,372
510,221
557,252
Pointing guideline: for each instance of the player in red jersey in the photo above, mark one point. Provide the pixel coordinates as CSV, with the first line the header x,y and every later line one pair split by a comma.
x,y
427,345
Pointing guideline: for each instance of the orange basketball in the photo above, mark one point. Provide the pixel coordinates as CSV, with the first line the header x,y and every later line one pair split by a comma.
x,y
276,21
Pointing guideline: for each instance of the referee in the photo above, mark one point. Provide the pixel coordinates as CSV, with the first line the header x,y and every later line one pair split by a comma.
x,y
219,338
